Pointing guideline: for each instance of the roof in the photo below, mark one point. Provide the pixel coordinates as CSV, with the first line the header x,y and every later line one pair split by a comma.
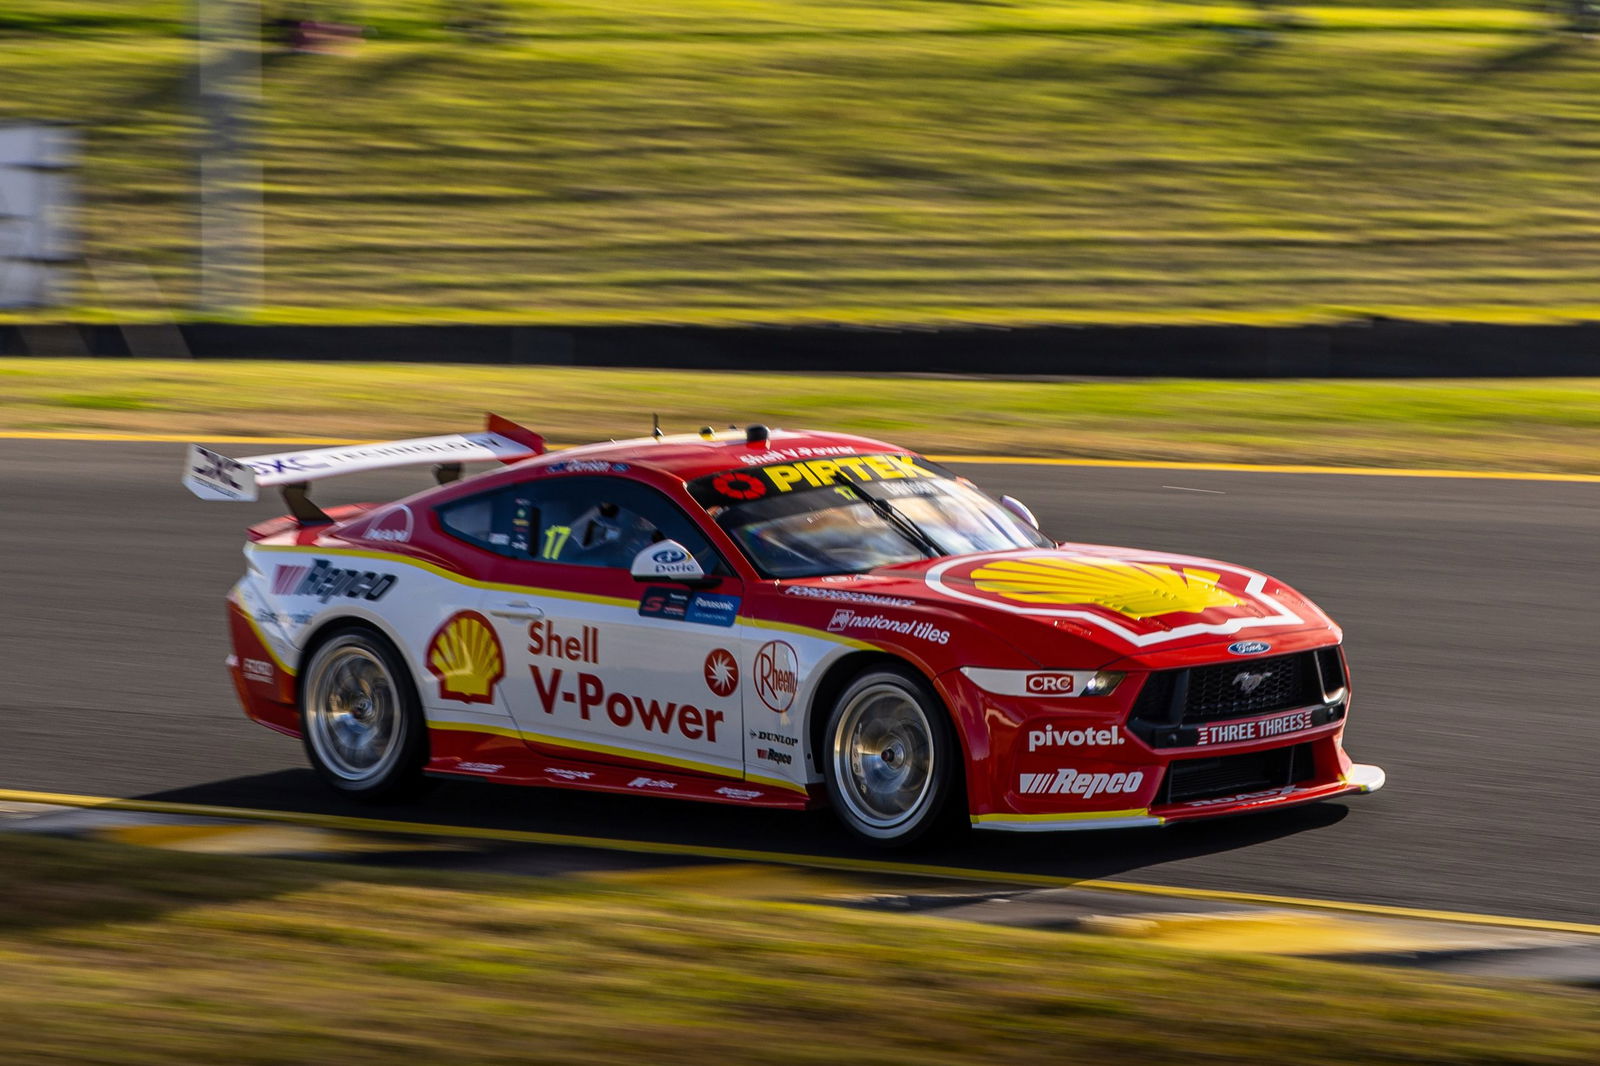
x,y
690,456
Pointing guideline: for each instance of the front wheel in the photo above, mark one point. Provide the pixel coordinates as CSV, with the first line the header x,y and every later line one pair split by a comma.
x,y
360,717
892,769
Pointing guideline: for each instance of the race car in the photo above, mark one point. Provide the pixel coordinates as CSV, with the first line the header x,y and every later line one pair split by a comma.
x,y
770,619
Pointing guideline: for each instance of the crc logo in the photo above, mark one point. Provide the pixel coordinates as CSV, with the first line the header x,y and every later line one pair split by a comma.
x,y
777,675
1248,647
669,555
1049,684
1249,682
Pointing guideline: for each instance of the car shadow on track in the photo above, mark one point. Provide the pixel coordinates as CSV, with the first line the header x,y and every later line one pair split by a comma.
x,y
656,820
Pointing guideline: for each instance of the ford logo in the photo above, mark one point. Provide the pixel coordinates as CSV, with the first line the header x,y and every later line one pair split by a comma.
x,y
669,555
1249,647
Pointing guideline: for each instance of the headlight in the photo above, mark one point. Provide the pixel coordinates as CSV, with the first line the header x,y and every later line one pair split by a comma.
x,y
1044,684
1103,683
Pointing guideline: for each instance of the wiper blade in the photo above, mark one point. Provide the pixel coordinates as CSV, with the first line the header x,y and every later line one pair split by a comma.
x,y
911,530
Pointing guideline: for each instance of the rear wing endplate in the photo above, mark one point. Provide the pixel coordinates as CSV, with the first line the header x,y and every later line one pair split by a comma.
x,y
212,476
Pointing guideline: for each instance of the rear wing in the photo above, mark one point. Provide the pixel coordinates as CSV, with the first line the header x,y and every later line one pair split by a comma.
x,y
212,476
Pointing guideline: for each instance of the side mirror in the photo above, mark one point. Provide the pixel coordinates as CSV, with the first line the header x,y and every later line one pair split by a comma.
x,y
1020,509
667,560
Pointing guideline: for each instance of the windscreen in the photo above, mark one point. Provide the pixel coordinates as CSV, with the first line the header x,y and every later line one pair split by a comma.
x,y
849,514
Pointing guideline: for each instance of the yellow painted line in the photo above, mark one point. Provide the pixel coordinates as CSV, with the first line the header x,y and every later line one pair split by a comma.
x,y
1270,468
1282,932
779,858
167,438
1007,460
256,840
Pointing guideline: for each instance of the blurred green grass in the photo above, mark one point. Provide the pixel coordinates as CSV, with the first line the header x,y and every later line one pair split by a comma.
x,y
879,162
121,955
1518,424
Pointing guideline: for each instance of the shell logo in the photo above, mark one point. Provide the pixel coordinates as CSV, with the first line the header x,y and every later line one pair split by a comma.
x,y
1133,590
466,657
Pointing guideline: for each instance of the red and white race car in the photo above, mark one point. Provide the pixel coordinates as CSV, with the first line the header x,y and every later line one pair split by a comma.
x,y
777,619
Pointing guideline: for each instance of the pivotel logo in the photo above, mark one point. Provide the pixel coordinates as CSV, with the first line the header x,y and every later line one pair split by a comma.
x,y
325,581
1049,684
1072,783
1051,737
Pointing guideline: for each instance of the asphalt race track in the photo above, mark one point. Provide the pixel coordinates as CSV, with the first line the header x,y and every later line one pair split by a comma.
x,y
1468,608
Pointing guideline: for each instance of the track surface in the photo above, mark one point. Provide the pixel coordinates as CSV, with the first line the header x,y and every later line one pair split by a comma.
x,y
1468,608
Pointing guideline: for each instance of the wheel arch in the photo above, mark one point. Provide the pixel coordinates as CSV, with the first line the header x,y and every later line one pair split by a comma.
x,y
328,627
838,677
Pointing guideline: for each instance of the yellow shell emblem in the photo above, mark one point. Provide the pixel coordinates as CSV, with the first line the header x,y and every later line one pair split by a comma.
x,y
1131,589
465,656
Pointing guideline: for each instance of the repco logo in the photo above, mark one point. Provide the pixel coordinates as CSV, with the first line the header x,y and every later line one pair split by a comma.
x,y
325,581
1049,684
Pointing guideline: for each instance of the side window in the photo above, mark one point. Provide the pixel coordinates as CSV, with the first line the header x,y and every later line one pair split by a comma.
x,y
503,521
579,521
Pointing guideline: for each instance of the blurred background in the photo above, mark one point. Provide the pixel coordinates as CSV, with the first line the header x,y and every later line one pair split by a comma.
x,y
1221,193
860,161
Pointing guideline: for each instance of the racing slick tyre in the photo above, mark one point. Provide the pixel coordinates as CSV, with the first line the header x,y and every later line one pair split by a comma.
x,y
360,717
891,762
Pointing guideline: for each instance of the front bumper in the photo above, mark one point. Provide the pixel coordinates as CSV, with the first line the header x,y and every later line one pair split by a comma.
x,y
1360,778
1041,764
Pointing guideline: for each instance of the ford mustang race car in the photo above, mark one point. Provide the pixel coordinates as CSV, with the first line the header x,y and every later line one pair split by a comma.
x,y
771,619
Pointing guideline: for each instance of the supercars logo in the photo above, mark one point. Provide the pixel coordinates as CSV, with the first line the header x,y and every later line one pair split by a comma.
x,y
1131,589
722,672
737,486
466,657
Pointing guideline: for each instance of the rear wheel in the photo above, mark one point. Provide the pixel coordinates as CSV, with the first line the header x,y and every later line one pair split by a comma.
x,y
360,717
892,765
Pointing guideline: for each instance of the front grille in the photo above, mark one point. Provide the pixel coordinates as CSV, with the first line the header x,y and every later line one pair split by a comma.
x,y
1202,694
1240,689
1232,775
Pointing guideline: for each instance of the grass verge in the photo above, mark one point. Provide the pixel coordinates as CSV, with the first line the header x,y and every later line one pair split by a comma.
x,y
1540,425
118,955
724,161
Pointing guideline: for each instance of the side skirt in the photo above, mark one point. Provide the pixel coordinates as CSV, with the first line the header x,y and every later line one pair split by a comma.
x,y
509,761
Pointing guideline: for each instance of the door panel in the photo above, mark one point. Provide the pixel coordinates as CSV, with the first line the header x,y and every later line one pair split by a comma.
x,y
592,674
